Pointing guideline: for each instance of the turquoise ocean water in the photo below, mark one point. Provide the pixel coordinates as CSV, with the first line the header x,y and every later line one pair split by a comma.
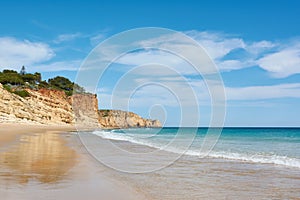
x,y
277,146
243,163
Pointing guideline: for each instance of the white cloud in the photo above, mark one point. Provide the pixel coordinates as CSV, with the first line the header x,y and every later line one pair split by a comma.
x,y
259,47
280,59
95,40
67,37
264,92
217,45
219,49
167,61
15,53
230,65
145,57
282,63
171,50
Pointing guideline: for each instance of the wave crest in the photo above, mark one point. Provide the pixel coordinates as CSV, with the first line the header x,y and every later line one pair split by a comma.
x,y
245,157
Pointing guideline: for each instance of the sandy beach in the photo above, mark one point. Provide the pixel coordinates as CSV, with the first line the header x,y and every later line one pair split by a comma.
x,y
11,131
49,162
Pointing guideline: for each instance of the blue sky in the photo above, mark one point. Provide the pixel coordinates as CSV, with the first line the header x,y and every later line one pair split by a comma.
x,y
255,44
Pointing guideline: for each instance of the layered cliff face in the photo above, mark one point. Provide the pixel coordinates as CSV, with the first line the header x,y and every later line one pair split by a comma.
x,y
47,106
122,119
43,106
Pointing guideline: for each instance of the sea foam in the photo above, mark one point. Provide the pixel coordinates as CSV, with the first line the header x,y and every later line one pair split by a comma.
x,y
257,157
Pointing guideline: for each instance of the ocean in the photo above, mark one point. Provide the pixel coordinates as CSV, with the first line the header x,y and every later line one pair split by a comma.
x,y
197,163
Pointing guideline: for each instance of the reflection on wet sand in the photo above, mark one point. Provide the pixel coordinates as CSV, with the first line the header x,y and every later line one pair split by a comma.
x,y
43,157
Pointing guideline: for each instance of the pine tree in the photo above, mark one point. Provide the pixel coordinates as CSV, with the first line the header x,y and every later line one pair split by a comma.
x,y
23,72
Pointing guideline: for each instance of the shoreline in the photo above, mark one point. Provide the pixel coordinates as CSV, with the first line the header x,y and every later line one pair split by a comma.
x,y
38,160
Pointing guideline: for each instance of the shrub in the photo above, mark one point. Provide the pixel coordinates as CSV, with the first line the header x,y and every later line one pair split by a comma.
x,y
7,87
22,93
104,113
43,84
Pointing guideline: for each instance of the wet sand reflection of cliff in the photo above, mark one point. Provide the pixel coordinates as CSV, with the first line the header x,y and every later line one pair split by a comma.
x,y
43,157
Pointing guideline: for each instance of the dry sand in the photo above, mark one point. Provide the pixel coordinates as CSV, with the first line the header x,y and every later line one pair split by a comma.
x,y
9,132
46,162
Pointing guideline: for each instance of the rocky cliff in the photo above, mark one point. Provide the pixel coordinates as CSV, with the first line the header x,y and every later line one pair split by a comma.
x,y
47,106
85,109
122,119
43,106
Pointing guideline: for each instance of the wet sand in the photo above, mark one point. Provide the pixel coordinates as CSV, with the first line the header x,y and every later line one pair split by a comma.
x,y
192,177
49,162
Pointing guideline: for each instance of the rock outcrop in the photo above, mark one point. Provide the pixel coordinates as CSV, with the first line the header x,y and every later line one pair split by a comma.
x,y
85,109
122,119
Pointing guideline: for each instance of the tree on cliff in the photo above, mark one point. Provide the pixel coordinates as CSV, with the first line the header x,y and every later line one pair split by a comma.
x,y
32,78
60,82
65,84
34,81
14,78
11,77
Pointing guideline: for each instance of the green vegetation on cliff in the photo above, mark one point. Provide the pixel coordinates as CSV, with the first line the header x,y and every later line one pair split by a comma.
x,y
16,83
